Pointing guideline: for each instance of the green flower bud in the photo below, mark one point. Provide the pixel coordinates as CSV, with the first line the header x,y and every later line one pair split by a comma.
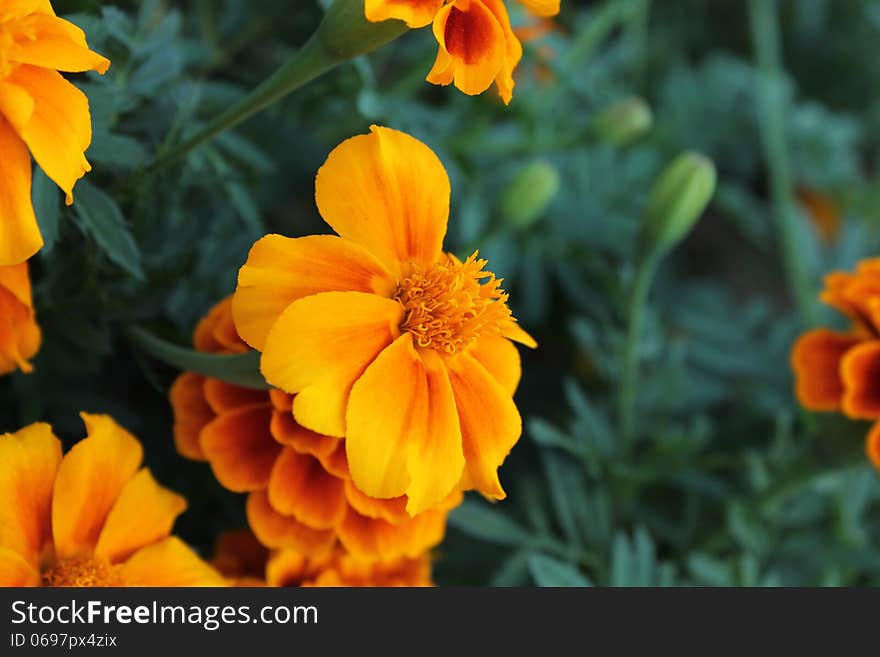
x,y
346,33
677,200
530,193
624,121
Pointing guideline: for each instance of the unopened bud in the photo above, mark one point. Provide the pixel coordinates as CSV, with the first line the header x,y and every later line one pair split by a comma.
x,y
677,200
530,193
624,121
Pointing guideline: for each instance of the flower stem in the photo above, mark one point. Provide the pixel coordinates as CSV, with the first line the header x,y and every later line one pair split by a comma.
x,y
343,34
765,35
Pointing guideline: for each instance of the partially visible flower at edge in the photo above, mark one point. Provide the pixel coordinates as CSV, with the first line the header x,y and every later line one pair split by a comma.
x,y
301,496
92,517
840,370
19,332
40,112
387,341
477,45
823,211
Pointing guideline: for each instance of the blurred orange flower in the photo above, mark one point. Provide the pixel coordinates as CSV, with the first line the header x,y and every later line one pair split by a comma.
x,y
840,371
19,332
387,341
93,517
823,212
477,43
301,493
40,111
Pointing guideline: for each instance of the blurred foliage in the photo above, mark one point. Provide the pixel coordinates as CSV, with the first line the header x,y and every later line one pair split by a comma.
x,y
727,482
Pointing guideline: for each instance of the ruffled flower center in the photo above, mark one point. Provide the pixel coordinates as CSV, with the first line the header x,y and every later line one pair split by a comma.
x,y
451,304
83,572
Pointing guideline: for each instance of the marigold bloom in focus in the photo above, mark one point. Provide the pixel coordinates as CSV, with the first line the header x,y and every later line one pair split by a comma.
x,y
301,496
19,332
477,45
40,111
384,339
840,371
93,517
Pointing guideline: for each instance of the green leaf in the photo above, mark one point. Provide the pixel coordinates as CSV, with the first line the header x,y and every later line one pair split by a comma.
x,y
547,571
45,197
240,369
121,151
103,220
480,521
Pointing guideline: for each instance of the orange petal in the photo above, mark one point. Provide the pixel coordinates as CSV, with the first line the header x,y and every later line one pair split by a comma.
x,y
60,129
143,514
336,463
240,448
872,445
191,414
53,43
223,397
381,411
29,460
415,13
238,553
490,422
302,488
387,192
434,459
542,8
279,270
320,345
20,334
89,481
287,432
15,570
366,538
860,371
169,563
393,510
515,332
216,333
501,359
815,359
512,50
19,234
290,568
277,531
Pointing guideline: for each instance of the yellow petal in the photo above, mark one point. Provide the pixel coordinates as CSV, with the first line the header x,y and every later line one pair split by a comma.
x,y
501,358
20,334
384,403
60,129
53,43
389,193
415,13
169,563
543,8
89,481
279,270
143,514
320,345
19,234
15,570
29,460
490,422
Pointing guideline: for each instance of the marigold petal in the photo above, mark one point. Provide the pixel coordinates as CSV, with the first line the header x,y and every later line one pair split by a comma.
x,y
415,13
15,570
501,358
543,8
389,193
29,460
60,128
191,414
872,445
393,510
371,539
169,562
382,408
435,459
320,345
20,334
90,478
490,422
19,234
215,333
143,514
302,488
860,371
222,396
278,531
815,359
240,448
54,43
288,432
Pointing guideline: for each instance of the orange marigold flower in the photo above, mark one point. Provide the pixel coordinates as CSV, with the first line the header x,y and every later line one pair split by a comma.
x,y
477,43
19,332
301,494
93,517
40,111
387,341
841,370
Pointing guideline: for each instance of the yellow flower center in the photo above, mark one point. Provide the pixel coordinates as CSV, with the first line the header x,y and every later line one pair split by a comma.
x,y
451,304
83,571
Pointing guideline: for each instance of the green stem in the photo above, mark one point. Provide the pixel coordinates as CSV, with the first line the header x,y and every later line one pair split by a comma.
x,y
343,34
626,406
765,34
